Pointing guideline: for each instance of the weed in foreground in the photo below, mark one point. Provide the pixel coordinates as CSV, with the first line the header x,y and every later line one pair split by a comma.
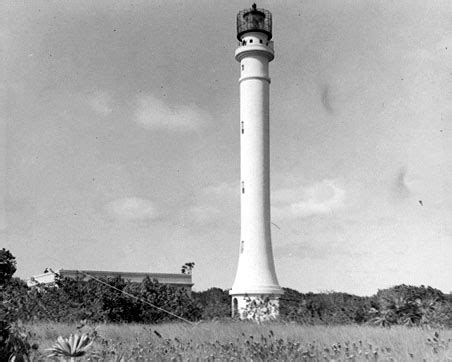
x,y
269,341
74,346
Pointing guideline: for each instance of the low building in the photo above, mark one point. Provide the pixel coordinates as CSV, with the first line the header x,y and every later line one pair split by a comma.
x,y
180,281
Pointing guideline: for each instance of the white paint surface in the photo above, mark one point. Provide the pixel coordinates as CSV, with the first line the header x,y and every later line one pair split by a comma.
x,y
256,270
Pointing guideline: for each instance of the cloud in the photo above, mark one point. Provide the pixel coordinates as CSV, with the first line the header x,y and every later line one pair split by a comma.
x,y
132,208
153,113
101,103
316,199
445,43
224,189
216,202
314,250
204,214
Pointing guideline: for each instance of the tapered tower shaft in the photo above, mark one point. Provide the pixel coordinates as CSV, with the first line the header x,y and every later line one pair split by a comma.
x,y
256,276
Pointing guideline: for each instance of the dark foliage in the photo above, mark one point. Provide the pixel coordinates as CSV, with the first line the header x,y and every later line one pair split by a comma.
x,y
7,266
323,308
14,343
70,300
402,304
214,303
187,268
412,306
74,300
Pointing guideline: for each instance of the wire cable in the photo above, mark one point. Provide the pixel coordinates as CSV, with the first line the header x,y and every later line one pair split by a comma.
x,y
131,296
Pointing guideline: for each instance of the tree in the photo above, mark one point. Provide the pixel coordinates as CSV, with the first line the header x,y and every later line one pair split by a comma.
x,y
187,268
7,266
214,303
412,306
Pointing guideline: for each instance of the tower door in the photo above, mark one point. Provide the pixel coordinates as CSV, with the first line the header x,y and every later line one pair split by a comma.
x,y
235,307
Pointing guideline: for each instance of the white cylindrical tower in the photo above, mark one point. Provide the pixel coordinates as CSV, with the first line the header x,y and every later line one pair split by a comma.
x,y
256,276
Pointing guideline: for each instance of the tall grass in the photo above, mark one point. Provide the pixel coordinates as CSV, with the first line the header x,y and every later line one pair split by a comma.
x,y
247,340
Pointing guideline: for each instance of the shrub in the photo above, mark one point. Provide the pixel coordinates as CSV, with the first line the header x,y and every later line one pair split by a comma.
x,y
324,308
71,300
15,342
412,306
7,266
213,303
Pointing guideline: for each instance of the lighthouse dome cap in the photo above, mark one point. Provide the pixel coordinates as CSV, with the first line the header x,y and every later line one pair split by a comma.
x,y
254,20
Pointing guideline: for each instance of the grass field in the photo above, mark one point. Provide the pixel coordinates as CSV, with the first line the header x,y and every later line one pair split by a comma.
x,y
228,340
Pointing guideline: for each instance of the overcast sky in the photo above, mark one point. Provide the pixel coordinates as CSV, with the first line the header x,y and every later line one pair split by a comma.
x,y
120,140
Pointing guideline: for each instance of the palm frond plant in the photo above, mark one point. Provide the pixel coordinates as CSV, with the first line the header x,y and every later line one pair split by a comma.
x,y
74,346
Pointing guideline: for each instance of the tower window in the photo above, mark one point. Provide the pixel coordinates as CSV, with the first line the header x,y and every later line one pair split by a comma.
x,y
251,40
266,43
242,245
243,127
243,67
260,41
244,42
243,187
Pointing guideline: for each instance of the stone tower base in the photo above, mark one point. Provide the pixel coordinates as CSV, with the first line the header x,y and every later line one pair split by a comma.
x,y
256,307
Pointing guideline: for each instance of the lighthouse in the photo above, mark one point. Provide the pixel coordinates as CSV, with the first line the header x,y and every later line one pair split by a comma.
x,y
256,277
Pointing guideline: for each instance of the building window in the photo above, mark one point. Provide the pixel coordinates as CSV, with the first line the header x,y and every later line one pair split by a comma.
x,y
244,42
266,44
243,127
260,41
243,67
251,40
243,187
242,245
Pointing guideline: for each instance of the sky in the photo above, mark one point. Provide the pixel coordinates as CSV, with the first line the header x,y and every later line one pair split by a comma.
x,y
120,140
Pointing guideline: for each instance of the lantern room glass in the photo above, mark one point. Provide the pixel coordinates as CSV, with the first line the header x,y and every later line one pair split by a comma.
x,y
254,20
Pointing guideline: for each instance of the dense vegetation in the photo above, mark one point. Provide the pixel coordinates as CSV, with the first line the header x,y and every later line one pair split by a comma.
x,y
7,266
72,300
399,305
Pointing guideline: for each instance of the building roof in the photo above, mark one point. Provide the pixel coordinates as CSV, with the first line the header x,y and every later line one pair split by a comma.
x,y
164,278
